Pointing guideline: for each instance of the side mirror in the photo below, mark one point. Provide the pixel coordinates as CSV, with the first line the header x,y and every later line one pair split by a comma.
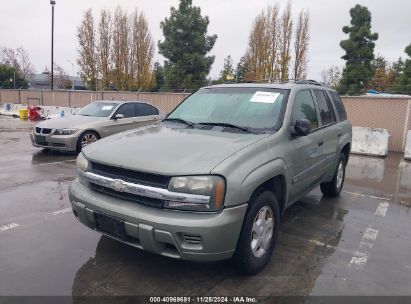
x,y
301,127
118,116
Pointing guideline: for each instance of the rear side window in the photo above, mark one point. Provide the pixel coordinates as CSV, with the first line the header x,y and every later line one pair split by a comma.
x,y
342,114
127,110
304,108
143,109
326,110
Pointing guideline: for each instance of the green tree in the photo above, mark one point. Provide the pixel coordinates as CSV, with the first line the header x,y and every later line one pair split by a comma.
x,y
159,77
403,83
10,78
227,73
186,45
241,69
359,48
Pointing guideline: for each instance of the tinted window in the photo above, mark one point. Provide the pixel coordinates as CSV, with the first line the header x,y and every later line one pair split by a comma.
x,y
325,107
304,108
127,110
342,114
143,109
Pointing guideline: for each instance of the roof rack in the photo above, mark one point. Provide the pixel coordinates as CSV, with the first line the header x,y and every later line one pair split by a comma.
x,y
309,81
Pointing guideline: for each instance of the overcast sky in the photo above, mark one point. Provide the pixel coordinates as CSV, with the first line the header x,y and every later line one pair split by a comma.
x,y
27,23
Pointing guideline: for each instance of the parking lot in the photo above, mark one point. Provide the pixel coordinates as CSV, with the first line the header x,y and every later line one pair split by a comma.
x,y
357,244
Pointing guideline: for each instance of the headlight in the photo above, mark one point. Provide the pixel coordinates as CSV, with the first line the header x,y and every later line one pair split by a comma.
x,y
64,131
212,186
82,163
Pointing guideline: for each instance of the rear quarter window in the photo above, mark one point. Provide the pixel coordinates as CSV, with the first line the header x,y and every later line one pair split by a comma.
x,y
339,106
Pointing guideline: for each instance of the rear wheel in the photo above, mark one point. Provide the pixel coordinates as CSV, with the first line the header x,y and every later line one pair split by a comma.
x,y
334,187
259,233
86,138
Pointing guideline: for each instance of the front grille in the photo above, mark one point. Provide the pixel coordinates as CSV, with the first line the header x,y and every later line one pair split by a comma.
x,y
141,178
46,131
43,131
152,202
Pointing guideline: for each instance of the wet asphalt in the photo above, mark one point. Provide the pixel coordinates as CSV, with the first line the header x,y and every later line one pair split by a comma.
x,y
357,244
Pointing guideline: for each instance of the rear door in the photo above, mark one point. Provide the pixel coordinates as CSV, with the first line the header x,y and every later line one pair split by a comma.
x,y
304,154
328,133
145,114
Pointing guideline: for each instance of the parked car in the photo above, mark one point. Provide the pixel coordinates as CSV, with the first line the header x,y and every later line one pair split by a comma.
x,y
212,180
97,120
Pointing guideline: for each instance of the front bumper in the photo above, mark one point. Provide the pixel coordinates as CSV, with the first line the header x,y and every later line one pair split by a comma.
x,y
62,143
183,235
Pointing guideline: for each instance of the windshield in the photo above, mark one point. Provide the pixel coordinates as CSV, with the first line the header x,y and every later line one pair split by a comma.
x,y
98,109
254,108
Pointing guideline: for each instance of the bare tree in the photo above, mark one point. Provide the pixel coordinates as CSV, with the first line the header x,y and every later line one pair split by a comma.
x,y
141,52
331,76
268,54
61,78
18,59
273,36
262,49
301,43
103,48
87,60
120,50
286,25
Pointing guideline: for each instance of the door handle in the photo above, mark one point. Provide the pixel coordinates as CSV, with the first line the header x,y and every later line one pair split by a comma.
x,y
339,134
320,142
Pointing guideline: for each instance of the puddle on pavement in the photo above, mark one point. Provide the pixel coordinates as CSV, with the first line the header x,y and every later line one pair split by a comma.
x,y
390,175
48,156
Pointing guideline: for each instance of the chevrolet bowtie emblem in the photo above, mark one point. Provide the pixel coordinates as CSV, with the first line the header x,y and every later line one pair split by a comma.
x,y
118,185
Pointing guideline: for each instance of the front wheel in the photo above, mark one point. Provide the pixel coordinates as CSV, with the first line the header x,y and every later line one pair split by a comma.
x,y
259,233
334,187
86,138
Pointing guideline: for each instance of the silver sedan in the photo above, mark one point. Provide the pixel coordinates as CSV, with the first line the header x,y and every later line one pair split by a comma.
x,y
97,120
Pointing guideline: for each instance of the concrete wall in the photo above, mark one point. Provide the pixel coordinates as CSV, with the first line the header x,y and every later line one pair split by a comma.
x,y
393,114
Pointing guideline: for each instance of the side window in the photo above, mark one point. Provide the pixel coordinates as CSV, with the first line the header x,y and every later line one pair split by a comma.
x,y
342,114
304,108
127,110
143,109
326,110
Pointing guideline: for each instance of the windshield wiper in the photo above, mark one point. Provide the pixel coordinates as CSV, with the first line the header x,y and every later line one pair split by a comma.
x,y
228,125
188,123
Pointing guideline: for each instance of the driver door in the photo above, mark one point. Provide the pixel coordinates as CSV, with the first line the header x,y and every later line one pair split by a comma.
x,y
304,154
123,124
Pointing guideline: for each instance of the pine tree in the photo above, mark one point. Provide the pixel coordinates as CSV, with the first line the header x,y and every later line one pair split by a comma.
x,y
403,84
359,50
186,45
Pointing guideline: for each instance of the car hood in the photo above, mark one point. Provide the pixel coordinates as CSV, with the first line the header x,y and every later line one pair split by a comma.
x,y
74,121
169,150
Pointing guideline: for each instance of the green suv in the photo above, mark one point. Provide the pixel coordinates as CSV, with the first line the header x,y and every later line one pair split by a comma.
x,y
212,180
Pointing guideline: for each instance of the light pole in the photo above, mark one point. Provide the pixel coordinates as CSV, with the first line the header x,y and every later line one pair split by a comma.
x,y
72,81
52,2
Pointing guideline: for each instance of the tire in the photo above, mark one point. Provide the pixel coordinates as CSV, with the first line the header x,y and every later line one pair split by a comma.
x,y
86,136
247,259
334,187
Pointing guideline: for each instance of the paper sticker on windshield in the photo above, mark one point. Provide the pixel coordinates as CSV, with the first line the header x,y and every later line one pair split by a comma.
x,y
264,97
106,108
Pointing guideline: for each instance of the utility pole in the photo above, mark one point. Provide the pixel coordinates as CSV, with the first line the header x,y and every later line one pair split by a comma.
x,y
52,2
